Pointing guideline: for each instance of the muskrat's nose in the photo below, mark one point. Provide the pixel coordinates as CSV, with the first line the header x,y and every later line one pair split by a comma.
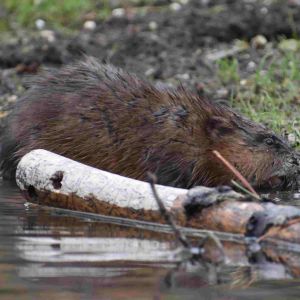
x,y
295,159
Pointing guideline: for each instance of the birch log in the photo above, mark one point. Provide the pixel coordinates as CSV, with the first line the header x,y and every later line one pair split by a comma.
x,y
50,179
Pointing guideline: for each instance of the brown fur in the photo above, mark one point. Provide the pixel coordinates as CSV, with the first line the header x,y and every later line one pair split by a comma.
x,y
109,119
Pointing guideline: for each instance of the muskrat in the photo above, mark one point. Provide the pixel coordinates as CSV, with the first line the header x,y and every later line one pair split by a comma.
x,y
109,119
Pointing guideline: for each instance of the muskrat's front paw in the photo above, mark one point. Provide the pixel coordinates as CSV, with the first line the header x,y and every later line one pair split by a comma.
x,y
200,197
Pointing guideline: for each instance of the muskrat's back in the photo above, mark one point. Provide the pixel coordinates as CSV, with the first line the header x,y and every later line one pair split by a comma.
x,y
104,117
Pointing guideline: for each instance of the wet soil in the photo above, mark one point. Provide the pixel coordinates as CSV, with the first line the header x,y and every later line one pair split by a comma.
x,y
155,42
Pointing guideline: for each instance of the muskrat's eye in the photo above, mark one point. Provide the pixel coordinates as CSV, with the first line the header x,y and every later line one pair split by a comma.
x,y
269,141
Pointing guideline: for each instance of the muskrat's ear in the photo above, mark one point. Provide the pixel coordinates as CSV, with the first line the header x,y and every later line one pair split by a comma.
x,y
218,127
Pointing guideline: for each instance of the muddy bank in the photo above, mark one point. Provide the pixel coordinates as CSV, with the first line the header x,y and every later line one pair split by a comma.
x,y
161,44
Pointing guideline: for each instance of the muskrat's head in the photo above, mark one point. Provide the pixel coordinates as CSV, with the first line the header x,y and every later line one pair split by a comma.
x,y
264,159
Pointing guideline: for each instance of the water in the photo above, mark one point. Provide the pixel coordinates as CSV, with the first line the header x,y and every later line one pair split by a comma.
x,y
48,255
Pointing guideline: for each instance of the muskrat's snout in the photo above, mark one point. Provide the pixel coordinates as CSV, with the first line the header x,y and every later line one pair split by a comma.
x,y
287,177
294,160
277,169
276,182
280,182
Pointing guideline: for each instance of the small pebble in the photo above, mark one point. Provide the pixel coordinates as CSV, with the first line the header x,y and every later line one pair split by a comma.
x,y
49,35
222,93
89,25
118,12
291,138
243,82
12,99
40,24
259,41
150,72
153,25
264,10
184,76
175,6
251,66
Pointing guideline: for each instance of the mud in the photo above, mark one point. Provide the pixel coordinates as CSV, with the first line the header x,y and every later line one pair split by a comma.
x,y
162,44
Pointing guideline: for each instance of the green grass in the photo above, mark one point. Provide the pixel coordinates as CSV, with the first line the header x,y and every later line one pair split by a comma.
x,y
271,95
57,13
228,71
26,11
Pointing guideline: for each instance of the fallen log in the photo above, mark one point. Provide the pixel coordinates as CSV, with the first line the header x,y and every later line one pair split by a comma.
x,y
49,179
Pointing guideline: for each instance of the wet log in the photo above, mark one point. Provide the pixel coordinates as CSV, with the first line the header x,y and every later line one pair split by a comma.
x,y
49,179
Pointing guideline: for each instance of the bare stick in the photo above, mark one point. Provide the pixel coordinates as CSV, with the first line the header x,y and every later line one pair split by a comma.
x,y
218,243
236,173
167,216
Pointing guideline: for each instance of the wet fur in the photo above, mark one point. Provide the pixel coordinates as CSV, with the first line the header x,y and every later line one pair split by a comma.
x,y
109,119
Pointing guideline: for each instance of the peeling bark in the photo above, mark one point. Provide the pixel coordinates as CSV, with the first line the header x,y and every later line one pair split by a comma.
x,y
50,179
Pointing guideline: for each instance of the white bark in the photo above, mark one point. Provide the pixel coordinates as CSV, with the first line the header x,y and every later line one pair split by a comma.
x,y
38,167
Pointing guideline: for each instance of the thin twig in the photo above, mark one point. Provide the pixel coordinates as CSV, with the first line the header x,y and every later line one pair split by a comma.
x,y
177,232
236,184
236,173
167,216
211,236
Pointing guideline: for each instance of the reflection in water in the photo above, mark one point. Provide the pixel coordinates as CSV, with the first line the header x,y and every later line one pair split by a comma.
x,y
74,249
55,256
